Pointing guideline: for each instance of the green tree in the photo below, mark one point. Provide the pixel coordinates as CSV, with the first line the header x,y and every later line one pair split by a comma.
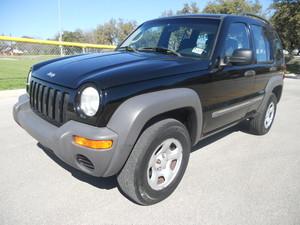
x,y
107,33
286,20
233,7
168,12
90,36
125,28
188,8
113,31
191,8
220,6
72,36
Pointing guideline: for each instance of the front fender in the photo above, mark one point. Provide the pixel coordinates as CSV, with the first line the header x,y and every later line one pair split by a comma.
x,y
132,115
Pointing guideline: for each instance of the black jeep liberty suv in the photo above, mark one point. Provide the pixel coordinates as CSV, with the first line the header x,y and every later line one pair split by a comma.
x,y
137,111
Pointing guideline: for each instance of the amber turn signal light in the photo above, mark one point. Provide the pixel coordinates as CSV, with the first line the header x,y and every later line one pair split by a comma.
x,y
94,144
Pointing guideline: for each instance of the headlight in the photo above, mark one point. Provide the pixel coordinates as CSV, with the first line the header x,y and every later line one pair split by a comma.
x,y
89,101
29,78
28,81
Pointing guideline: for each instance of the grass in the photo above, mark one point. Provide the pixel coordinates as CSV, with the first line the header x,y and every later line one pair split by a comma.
x,y
14,70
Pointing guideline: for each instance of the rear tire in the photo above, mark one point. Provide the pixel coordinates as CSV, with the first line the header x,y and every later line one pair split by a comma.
x,y
157,163
262,123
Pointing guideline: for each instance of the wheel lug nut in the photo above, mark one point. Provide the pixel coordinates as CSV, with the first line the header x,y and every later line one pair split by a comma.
x,y
158,161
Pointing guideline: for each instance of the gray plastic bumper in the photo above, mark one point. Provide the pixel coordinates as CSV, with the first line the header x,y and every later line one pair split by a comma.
x,y
60,139
124,128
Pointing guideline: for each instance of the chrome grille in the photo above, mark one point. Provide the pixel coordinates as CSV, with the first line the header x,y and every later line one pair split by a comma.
x,y
49,102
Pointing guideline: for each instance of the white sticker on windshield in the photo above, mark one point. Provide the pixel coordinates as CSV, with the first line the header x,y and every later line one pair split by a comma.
x,y
197,50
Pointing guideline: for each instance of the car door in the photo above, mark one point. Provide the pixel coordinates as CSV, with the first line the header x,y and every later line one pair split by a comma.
x,y
232,84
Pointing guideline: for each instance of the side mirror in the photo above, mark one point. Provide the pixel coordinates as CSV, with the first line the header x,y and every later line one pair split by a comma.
x,y
240,56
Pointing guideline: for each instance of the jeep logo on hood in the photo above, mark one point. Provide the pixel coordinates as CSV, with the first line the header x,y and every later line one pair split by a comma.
x,y
51,74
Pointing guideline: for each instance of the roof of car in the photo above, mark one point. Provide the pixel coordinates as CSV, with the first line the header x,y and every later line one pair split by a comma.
x,y
218,16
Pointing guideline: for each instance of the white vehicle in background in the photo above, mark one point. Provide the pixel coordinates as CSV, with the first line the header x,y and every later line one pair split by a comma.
x,y
296,52
285,52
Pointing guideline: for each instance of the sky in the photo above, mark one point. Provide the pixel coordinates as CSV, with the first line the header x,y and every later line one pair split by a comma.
x,y
39,18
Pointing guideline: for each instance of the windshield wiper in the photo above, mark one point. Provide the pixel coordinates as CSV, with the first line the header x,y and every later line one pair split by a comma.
x,y
127,48
160,50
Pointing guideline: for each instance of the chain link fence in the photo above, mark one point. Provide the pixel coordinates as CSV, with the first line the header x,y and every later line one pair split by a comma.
x,y
17,55
9,48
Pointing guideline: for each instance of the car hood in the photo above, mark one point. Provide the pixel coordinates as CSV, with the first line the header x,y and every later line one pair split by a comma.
x,y
113,68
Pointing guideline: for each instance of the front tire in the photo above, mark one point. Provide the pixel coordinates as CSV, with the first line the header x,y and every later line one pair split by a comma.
x,y
157,163
262,123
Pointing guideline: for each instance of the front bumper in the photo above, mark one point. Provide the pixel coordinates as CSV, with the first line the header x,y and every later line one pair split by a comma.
x,y
60,139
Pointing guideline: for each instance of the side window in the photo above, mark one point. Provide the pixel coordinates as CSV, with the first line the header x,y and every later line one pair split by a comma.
x,y
237,37
262,44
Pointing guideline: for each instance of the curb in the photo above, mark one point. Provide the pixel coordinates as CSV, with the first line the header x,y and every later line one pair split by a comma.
x,y
11,93
292,76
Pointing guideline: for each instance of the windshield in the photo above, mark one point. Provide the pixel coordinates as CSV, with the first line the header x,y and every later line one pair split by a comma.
x,y
187,37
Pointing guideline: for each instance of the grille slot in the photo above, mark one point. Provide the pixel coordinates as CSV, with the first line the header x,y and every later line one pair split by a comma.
x,y
84,161
49,102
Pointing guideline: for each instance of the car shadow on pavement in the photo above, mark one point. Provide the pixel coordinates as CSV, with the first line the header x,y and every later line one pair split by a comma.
x,y
215,137
99,182
111,182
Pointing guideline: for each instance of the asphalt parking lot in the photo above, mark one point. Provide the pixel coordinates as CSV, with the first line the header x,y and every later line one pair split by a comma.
x,y
232,178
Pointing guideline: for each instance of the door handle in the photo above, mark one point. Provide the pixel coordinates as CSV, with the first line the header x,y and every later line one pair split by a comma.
x,y
250,73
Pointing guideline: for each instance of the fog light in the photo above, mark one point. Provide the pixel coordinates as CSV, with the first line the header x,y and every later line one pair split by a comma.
x,y
94,144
